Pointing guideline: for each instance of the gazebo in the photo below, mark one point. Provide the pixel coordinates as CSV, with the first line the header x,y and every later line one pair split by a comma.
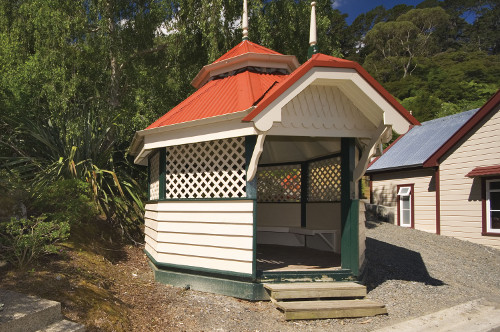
x,y
255,177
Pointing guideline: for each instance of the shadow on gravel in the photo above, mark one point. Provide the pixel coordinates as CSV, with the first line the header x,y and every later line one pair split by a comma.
x,y
389,262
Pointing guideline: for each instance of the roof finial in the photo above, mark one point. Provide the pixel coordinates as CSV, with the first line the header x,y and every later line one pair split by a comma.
x,y
313,48
244,23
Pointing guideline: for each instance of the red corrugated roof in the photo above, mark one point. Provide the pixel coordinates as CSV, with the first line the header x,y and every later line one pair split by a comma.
x,y
239,92
322,60
246,47
220,96
484,171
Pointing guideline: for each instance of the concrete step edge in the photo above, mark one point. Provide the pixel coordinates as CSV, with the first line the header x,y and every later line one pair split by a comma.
x,y
22,313
64,326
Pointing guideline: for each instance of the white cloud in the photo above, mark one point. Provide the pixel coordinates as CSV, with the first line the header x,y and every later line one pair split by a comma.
x,y
337,4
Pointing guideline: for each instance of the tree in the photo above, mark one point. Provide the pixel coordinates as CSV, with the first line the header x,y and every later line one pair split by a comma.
x,y
400,42
283,25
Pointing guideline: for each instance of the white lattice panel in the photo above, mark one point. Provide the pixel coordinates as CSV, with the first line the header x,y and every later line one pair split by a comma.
x,y
279,183
324,180
154,177
214,169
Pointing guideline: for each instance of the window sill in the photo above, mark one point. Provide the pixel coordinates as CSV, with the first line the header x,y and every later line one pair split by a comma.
x,y
490,234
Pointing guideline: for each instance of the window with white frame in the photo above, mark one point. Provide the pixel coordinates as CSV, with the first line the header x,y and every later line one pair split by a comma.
x,y
493,206
405,212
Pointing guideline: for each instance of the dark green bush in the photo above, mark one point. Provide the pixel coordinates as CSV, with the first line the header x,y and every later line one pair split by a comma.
x,y
65,200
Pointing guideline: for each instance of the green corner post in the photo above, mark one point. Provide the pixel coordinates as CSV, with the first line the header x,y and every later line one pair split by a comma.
x,y
251,191
162,173
349,208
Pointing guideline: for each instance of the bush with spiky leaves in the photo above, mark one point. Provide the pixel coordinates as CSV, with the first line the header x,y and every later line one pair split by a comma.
x,y
44,154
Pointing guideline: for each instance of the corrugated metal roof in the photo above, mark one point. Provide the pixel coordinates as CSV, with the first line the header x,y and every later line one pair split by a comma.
x,y
246,46
420,142
220,96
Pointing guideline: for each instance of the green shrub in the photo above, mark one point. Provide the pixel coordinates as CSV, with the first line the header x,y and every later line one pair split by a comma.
x,y
65,200
25,240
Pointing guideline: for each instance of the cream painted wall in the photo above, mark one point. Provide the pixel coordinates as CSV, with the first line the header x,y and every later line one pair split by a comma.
x,y
384,191
210,234
320,216
461,209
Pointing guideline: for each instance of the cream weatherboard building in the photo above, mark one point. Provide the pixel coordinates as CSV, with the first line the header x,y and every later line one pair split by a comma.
x,y
254,177
444,176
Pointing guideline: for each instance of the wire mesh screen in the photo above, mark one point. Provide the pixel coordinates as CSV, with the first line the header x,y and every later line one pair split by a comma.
x,y
154,177
279,183
213,169
324,180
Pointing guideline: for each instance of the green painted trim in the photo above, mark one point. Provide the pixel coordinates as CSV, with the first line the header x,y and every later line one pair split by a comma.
x,y
149,178
162,171
304,186
200,270
205,199
251,186
252,291
313,49
349,208
305,161
251,190
254,241
354,237
305,276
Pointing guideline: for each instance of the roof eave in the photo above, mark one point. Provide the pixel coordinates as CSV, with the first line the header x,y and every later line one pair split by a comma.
x,y
396,168
311,63
290,62
136,148
469,125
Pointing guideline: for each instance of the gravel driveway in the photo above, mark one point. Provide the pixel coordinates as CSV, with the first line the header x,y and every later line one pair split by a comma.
x,y
412,272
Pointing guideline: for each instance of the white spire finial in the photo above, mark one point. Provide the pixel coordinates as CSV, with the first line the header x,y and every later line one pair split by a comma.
x,y
244,23
312,33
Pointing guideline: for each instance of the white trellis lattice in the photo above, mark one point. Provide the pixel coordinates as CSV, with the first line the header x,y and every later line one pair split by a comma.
x,y
324,181
213,169
154,177
279,183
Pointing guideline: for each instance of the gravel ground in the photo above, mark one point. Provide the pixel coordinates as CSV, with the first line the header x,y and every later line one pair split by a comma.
x,y
412,272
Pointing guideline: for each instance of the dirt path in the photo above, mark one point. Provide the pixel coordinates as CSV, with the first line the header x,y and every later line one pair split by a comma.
x,y
111,288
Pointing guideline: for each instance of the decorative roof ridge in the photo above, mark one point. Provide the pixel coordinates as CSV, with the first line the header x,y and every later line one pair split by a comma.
x,y
323,60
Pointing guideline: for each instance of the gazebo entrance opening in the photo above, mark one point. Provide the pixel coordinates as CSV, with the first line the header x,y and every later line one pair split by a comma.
x,y
299,204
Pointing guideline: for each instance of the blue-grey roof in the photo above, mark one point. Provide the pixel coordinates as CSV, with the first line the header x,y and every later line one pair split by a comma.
x,y
420,142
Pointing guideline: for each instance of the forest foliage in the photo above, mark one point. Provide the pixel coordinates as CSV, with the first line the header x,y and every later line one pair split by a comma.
x,y
79,77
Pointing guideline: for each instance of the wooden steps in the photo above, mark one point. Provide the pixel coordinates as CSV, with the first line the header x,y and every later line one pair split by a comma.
x,y
320,300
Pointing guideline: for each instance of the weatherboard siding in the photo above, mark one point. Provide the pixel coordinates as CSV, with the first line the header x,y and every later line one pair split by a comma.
x,y
384,191
201,234
461,205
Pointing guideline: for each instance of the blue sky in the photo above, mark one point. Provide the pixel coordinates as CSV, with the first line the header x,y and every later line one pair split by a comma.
x,y
355,7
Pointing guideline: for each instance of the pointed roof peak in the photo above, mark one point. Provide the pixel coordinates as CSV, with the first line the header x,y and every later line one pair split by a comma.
x,y
244,20
243,47
244,55
313,47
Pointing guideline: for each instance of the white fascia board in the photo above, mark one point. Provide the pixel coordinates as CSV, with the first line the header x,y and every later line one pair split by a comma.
x,y
368,100
219,127
278,130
